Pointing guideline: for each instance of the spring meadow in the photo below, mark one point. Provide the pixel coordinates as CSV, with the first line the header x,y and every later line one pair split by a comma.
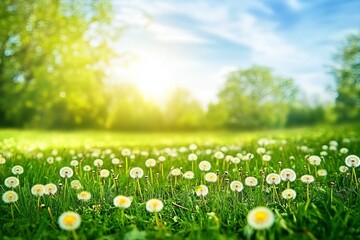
x,y
178,119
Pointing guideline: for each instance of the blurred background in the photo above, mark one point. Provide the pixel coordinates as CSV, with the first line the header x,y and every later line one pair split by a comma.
x,y
178,65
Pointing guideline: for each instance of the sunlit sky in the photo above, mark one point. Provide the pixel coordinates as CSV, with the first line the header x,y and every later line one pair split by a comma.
x,y
193,44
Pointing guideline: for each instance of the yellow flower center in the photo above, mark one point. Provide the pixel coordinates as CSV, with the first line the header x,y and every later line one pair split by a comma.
x,y
155,204
10,196
69,220
122,201
260,216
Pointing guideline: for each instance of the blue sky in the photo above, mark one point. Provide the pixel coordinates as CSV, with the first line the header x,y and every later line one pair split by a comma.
x,y
193,44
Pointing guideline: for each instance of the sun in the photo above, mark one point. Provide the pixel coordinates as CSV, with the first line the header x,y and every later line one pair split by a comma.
x,y
153,74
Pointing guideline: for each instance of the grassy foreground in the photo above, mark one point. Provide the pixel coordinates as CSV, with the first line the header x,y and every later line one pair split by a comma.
x,y
324,209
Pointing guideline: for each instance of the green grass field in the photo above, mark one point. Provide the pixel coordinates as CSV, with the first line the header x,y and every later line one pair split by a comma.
x,y
327,208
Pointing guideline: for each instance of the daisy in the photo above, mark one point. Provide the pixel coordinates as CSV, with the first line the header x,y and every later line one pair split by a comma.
x,y
122,202
136,172
66,172
204,166
273,178
260,218
69,221
10,197
84,196
11,182
236,186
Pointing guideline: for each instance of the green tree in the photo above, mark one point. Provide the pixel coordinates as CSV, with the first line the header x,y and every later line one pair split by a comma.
x,y
255,98
52,55
346,71
183,111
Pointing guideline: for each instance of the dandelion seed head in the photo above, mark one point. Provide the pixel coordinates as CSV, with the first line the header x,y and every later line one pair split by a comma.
x,y
38,190
352,161
204,166
288,194
17,170
236,186
11,182
66,172
69,221
136,172
122,202
154,205
150,163
10,197
307,178
251,181
201,190
273,178
211,177
260,218
288,174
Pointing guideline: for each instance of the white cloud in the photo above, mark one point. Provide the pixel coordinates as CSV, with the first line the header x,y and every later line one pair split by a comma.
x,y
294,5
166,33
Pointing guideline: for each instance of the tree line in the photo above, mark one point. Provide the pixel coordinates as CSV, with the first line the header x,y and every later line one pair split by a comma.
x,y
53,56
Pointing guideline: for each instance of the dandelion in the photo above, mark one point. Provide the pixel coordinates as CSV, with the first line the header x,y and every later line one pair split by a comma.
x,y
344,150
10,197
66,172
266,158
115,161
150,163
122,202
287,174
211,177
84,196
288,194
11,182
322,172
260,218
307,178
273,178
50,160
219,155
126,152
70,221
50,189
136,172
74,163
188,175
17,170
236,186
175,172
104,173
155,206
2,160
235,160
352,161
38,190
162,159
343,169
193,147
98,162
87,168
260,150
251,181
204,166
201,191
314,160
75,184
